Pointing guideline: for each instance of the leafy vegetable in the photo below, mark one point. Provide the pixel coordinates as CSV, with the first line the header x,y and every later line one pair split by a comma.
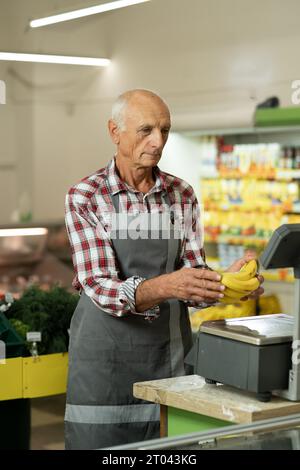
x,y
49,312
20,327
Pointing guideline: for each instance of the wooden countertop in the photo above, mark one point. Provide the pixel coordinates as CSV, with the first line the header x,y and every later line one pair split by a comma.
x,y
191,393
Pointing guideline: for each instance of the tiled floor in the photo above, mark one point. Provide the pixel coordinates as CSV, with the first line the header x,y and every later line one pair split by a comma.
x,y
47,423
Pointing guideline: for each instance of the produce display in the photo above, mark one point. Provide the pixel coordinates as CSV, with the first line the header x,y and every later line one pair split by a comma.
x,y
265,305
46,311
261,160
253,189
219,312
247,191
249,194
247,208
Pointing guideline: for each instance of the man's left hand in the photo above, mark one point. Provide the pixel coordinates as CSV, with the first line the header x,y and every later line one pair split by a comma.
x,y
238,264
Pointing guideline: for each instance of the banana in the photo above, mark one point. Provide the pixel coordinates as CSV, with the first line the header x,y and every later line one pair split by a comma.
x,y
250,267
248,271
228,300
240,284
235,294
241,275
235,284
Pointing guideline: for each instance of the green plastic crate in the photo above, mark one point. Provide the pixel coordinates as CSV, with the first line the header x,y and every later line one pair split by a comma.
x,y
14,344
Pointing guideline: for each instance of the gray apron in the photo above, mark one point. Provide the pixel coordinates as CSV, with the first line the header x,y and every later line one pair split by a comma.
x,y
108,354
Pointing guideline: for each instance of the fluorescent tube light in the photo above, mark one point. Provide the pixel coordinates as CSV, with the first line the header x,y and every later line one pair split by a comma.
x,y
72,15
13,232
54,59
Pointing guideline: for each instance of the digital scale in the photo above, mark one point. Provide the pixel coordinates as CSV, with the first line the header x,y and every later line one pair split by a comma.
x,y
259,353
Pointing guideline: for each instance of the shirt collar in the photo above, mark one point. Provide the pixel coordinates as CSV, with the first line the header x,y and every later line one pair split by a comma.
x,y
115,184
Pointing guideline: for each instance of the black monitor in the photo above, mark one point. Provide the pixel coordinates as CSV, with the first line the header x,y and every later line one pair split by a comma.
x,y
283,249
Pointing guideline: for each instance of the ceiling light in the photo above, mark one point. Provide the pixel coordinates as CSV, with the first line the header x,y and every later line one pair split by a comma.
x,y
54,59
72,15
13,232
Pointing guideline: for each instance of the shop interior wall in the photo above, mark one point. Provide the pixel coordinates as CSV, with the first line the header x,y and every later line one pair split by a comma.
x,y
212,61
16,120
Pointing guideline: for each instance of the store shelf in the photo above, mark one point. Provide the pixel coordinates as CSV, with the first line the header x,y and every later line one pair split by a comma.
x,y
29,377
289,116
281,275
288,175
257,191
236,240
243,209
277,174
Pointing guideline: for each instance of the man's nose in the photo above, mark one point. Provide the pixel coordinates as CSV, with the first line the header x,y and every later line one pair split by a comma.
x,y
157,138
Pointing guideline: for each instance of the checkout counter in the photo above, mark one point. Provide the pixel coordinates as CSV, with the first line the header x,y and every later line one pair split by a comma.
x,y
248,369
188,404
271,434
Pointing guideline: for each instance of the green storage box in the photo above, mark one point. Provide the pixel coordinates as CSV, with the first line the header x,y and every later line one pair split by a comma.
x,y
14,344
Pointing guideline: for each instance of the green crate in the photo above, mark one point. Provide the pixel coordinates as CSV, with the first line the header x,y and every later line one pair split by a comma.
x,y
14,344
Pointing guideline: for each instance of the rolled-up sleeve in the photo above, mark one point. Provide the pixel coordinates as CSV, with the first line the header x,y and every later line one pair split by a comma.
x,y
95,263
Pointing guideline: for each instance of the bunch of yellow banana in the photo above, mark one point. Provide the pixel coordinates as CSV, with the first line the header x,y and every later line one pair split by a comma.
x,y
241,283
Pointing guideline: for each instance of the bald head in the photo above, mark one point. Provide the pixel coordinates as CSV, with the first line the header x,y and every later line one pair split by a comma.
x,y
131,99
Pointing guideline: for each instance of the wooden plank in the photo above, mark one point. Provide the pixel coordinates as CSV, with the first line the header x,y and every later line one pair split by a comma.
x,y
191,393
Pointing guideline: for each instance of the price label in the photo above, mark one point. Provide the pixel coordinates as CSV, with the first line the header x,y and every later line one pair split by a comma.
x,y
34,336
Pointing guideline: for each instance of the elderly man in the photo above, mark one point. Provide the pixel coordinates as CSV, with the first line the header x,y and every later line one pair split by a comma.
x,y
131,323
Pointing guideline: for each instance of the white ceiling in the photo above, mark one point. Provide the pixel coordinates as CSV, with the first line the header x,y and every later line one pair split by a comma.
x,y
197,53
212,60
165,22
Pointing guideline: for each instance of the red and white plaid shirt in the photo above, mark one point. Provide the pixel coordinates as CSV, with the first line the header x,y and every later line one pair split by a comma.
x,y
88,217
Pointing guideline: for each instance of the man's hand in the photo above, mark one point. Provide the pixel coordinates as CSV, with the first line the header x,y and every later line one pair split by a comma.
x,y
238,264
193,284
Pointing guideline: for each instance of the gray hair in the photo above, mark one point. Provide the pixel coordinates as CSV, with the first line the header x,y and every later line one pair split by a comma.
x,y
118,111
121,103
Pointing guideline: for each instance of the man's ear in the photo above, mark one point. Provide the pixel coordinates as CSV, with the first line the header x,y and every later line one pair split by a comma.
x,y
114,131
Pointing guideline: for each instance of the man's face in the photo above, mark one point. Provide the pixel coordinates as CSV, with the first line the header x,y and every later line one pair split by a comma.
x,y
147,126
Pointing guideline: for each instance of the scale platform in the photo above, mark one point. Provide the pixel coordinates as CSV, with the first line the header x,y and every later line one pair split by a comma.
x,y
264,329
250,353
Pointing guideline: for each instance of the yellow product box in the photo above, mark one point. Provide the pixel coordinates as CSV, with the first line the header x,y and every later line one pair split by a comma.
x,y
11,379
31,377
45,375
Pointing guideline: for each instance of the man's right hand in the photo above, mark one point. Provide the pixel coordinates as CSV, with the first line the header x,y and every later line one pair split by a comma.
x,y
193,284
